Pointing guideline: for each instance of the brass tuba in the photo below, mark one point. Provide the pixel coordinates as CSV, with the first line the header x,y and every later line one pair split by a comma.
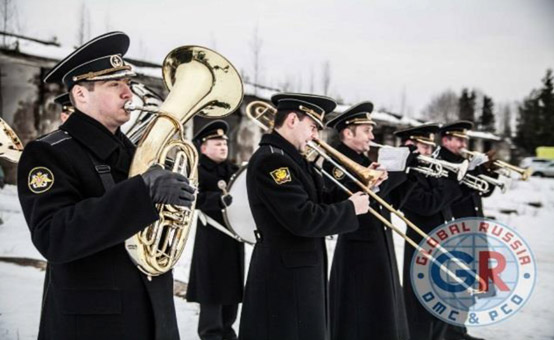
x,y
10,145
201,82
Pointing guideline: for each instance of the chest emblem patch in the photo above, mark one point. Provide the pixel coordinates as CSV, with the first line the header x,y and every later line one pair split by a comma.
x,y
40,179
281,175
337,173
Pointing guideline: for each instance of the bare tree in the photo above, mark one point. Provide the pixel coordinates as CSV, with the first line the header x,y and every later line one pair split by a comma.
x,y
108,22
83,31
213,41
403,102
256,48
142,50
443,108
326,77
311,80
288,83
504,119
298,85
9,17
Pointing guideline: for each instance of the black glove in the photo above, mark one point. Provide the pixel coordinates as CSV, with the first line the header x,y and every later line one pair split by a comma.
x,y
226,200
168,187
452,175
412,161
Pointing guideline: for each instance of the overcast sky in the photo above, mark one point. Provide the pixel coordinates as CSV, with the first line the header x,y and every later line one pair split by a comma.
x,y
398,54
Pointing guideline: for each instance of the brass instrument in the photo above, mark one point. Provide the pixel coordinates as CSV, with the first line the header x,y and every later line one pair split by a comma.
x,y
435,167
147,103
261,113
503,185
10,145
476,183
364,181
201,82
368,177
524,173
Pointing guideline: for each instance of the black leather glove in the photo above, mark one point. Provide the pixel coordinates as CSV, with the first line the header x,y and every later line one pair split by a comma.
x,y
412,161
226,200
168,187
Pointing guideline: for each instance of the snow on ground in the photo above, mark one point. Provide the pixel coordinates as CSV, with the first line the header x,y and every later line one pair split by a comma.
x,y
21,287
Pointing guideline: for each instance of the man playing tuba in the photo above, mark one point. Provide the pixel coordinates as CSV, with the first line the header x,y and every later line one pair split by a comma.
x,y
80,207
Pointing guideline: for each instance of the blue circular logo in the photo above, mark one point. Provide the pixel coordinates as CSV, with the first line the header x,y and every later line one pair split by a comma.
x,y
473,272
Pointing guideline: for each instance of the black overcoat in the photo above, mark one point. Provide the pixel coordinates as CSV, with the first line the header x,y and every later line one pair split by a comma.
x,y
426,202
217,267
365,291
286,290
92,288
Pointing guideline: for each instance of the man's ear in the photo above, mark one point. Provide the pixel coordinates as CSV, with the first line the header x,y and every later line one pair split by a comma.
x,y
80,94
348,133
291,119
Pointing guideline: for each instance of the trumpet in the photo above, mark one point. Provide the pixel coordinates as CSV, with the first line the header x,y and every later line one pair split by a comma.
x,y
435,167
524,173
476,183
503,185
364,178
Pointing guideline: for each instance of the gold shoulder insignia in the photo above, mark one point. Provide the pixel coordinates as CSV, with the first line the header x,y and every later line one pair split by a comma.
x,y
337,173
40,179
281,175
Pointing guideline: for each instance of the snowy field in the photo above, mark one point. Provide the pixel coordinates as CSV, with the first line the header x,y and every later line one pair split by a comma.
x,y
528,207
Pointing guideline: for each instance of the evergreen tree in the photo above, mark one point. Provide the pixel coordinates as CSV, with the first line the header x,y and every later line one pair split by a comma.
x,y
466,105
536,117
546,103
487,116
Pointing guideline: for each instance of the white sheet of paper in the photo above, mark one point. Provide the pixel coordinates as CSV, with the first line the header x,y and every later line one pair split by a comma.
x,y
393,159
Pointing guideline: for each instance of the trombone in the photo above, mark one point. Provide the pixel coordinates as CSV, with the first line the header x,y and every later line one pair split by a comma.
x,y
369,177
523,172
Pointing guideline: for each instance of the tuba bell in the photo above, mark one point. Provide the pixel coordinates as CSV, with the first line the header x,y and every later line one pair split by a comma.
x,y
200,81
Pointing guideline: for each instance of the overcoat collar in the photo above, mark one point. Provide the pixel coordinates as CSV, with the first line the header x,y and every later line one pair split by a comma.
x,y
93,135
275,139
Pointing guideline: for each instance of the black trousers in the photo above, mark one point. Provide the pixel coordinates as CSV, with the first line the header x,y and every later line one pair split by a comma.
x,y
432,330
455,332
216,322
